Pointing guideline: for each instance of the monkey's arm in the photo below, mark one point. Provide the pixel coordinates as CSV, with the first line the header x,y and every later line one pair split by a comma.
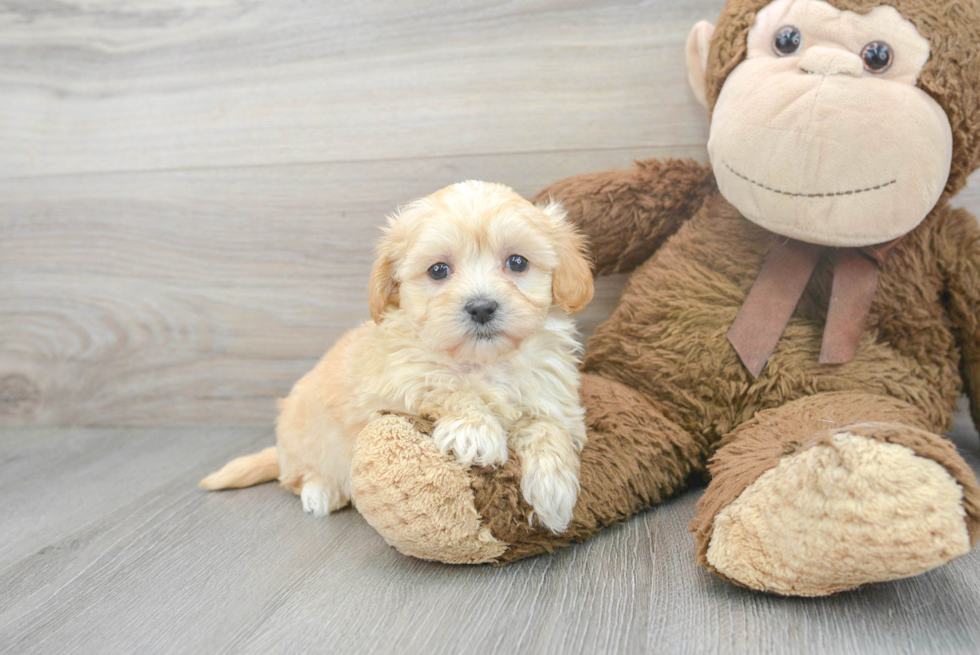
x,y
960,245
628,214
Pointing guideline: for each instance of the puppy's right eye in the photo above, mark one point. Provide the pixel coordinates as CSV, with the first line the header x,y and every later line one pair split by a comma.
x,y
439,271
517,263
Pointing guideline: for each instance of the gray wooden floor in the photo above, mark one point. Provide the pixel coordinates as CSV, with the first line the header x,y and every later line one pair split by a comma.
x,y
108,547
189,191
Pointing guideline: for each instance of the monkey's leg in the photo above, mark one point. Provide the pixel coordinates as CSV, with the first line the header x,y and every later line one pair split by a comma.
x,y
834,491
431,507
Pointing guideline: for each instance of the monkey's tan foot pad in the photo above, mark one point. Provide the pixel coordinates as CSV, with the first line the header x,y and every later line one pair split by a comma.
x,y
421,502
853,508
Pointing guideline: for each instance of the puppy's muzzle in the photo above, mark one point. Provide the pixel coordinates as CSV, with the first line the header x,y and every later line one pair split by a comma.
x,y
481,310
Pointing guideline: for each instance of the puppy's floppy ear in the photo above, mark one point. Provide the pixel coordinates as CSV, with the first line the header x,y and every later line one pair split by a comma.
x,y
571,281
383,287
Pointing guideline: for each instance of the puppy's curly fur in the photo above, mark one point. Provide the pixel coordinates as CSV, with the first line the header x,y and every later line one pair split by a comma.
x,y
502,376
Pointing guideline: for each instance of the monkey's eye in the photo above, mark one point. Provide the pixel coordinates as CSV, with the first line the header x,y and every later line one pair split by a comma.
x,y
439,271
517,263
877,56
787,41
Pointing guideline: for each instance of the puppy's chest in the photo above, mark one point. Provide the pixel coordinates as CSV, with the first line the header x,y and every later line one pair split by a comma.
x,y
500,386
498,381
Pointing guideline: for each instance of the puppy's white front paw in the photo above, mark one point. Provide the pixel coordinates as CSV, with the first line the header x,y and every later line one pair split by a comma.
x,y
477,439
320,498
552,493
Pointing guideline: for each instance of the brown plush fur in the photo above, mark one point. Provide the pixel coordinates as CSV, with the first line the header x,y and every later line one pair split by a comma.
x,y
758,445
669,191
667,337
663,353
664,389
635,457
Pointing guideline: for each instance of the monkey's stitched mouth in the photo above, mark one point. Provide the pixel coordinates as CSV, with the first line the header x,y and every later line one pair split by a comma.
x,y
810,195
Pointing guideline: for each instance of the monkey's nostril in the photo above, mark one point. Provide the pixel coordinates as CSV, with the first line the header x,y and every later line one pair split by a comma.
x,y
481,311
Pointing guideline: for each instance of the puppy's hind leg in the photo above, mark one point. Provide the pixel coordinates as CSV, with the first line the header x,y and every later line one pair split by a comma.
x,y
325,485
321,497
314,454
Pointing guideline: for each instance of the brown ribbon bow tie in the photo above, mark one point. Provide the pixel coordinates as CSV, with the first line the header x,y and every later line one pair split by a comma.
x,y
780,285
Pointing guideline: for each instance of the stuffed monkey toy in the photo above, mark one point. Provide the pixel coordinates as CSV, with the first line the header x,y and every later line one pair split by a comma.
x,y
801,317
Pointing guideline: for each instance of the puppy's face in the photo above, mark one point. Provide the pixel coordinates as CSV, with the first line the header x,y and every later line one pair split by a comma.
x,y
477,268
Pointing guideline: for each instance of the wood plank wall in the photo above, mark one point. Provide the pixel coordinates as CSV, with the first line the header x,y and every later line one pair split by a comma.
x,y
189,190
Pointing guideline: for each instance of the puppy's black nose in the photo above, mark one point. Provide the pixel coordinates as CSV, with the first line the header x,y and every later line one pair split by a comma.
x,y
481,310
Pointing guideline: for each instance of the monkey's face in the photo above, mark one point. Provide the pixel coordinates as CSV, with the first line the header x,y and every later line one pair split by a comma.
x,y
821,134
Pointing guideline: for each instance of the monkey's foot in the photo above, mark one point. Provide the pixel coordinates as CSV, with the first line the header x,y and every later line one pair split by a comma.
x,y
420,501
867,503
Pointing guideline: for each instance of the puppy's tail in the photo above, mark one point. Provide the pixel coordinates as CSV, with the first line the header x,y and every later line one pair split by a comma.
x,y
245,471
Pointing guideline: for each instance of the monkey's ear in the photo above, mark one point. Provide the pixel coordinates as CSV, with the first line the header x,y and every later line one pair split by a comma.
x,y
698,46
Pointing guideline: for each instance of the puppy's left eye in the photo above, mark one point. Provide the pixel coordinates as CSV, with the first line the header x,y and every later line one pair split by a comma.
x,y
517,263
439,271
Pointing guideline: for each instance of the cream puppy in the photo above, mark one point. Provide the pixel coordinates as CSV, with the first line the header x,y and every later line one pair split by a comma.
x,y
469,294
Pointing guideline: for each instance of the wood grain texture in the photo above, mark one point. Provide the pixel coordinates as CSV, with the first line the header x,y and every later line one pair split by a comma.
x,y
111,85
189,190
134,558
199,297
